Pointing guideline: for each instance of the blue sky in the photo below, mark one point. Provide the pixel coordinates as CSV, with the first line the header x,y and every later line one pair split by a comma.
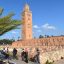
x,y
48,16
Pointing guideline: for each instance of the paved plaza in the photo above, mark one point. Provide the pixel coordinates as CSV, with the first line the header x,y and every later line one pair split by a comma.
x,y
59,62
21,62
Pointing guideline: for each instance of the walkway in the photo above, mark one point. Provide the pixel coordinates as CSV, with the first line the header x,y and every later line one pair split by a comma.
x,y
21,62
59,61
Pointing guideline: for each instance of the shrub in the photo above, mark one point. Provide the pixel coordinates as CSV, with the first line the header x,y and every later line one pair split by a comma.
x,y
47,62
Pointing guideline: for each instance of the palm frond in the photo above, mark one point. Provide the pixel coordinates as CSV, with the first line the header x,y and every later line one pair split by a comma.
x,y
6,22
1,11
12,25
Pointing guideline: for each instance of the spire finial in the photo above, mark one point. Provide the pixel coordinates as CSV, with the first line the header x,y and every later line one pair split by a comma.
x,y
26,8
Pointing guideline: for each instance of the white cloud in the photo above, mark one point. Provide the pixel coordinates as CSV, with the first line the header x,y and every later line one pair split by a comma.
x,y
13,32
49,27
38,30
36,26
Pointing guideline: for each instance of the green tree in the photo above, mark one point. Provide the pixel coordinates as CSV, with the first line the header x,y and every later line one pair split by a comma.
x,y
7,23
46,36
47,62
6,41
40,36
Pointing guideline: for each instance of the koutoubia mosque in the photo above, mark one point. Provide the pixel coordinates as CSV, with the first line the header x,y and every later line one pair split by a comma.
x,y
27,23
51,42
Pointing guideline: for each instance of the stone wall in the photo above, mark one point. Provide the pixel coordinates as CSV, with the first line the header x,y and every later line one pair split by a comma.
x,y
51,56
42,42
51,48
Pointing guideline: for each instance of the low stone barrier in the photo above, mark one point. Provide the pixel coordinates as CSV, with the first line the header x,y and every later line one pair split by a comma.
x,y
51,56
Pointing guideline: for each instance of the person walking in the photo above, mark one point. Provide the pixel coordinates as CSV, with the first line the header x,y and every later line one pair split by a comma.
x,y
15,53
24,56
37,56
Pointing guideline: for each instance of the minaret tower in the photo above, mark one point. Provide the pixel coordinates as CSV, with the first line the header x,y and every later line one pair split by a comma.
x,y
26,23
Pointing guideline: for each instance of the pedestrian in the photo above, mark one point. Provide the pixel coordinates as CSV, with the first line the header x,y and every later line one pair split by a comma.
x,y
4,50
37,56
24,56
15,53
7,50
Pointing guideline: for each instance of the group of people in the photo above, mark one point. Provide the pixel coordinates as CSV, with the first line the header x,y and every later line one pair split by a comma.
x,y
24,55
5,52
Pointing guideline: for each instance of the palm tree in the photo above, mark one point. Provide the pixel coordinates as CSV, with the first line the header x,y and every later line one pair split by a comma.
x,y
7,23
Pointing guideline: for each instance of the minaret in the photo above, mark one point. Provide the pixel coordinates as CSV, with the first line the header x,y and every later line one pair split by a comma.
x,y
26,23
